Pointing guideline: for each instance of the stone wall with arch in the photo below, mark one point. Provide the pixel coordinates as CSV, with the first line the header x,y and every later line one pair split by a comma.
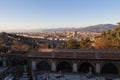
x,y
43,65
85,67
64,67
110,67
80,66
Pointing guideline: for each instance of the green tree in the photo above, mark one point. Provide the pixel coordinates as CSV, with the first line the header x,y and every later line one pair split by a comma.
x,y
72,44
85,43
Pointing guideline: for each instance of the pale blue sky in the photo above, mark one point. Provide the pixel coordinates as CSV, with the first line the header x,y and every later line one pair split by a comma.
x,y
34,14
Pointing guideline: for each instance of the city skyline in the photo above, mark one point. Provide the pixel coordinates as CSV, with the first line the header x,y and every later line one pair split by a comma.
x,y
44,14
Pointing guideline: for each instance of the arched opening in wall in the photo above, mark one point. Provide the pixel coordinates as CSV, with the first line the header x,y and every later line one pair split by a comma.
x,y
25,62
1,63
43,66
17,62
64,67
109,68
85,68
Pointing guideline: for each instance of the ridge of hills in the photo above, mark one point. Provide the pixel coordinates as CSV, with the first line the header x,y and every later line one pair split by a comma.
x,y
94,28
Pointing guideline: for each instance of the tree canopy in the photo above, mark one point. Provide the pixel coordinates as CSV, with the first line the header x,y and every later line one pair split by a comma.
x,y
109,39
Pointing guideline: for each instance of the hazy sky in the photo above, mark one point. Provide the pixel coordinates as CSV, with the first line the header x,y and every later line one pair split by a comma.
x,y
34,14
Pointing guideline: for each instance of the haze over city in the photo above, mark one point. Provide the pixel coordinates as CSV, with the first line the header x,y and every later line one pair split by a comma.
x,y
44,14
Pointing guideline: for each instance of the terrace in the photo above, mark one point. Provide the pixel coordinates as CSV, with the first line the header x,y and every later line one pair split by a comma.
x,y
77,54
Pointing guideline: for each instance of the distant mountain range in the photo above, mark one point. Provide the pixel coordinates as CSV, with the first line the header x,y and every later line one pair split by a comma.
x,y
94,28
98,28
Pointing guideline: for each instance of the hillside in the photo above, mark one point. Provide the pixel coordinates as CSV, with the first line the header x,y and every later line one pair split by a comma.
x,y
94,28
109,39
98,28
15,43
